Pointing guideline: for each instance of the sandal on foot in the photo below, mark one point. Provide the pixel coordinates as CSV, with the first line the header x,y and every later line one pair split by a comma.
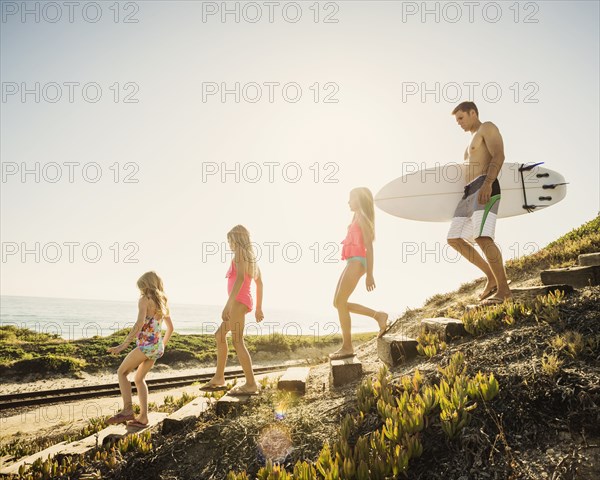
x,y
488,294
238,392
213,388
137,424
492,292
339,356
119,418
491,301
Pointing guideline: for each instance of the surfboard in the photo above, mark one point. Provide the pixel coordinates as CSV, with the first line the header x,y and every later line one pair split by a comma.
x,y
432,194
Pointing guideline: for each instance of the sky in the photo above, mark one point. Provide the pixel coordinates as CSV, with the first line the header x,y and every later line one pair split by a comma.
x,y
134,135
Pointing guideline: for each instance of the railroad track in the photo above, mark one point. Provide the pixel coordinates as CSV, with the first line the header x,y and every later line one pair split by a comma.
x,y
27,399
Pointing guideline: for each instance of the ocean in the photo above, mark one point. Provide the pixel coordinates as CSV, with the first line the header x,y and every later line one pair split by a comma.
x,y
74,318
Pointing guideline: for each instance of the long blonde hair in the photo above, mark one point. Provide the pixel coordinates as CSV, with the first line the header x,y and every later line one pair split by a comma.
x,y
239,236
366,207
151,286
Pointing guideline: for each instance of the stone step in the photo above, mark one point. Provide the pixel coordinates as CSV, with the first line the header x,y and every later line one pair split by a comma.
x,y
110,434
345,370
396,349
530,293
589,259
576,276
446,328
185,415
294,379
6,461
231,403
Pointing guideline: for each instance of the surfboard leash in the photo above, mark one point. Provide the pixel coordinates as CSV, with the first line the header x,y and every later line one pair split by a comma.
x,y
524,168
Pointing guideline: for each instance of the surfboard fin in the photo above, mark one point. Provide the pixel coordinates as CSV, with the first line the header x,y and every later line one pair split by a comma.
x,y
554,185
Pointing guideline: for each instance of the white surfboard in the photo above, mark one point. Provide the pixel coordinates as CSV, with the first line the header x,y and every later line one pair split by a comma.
x,y
432,194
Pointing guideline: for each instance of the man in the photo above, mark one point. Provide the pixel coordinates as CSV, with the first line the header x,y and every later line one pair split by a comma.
x,y
475,216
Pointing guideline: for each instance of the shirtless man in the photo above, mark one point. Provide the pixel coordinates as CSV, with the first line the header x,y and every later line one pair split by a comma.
x,y
475,216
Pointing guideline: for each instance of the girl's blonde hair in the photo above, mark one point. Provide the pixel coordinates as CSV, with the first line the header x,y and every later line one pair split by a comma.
x,y
366,207
151,286
239,236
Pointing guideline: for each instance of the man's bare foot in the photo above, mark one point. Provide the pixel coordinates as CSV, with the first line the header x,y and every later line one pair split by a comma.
x,y
341,353
382,320
490,288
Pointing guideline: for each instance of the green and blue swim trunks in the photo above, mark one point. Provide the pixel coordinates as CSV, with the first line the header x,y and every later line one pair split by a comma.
x,y
472,219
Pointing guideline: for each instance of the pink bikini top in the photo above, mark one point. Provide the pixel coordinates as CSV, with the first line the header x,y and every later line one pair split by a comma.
x,y
232,275
353,244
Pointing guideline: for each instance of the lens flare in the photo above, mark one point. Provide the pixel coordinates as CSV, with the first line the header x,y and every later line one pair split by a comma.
x,y
275,443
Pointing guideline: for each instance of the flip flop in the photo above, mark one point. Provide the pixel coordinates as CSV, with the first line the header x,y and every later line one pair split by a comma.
x,y
339,356
240,393
136,424
120,418
491,301
213,388
492,291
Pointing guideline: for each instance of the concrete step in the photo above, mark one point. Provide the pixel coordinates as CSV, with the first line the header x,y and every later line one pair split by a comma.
x,y
589,259
187,414
576,276
294,379
345,370
396,349
446,328
231,403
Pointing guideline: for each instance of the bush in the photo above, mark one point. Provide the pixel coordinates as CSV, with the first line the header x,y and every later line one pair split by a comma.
x,y
275,343
48,364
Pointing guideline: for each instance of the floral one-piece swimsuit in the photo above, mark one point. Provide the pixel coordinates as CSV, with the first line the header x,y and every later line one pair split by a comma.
x,y
149,339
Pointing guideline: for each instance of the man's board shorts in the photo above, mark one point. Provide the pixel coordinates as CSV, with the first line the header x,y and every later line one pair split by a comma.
x,y
472,219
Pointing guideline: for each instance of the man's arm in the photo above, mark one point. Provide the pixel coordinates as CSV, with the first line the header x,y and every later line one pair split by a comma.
x,y
495,145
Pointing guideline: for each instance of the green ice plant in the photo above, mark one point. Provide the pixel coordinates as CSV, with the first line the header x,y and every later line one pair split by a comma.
x,y
404,408
429,344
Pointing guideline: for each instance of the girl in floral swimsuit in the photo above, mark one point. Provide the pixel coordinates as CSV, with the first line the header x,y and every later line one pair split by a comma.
x,y
152,310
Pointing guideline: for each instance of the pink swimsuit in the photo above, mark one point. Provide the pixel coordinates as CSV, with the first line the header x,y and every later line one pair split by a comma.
x,y
354,245
244,296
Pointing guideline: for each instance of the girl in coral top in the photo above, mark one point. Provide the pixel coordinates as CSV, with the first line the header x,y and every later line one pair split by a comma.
x,y
357,250
242,271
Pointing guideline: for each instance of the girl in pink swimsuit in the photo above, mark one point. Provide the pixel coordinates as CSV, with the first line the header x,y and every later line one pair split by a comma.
x,y
242,270
357,250
152,311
